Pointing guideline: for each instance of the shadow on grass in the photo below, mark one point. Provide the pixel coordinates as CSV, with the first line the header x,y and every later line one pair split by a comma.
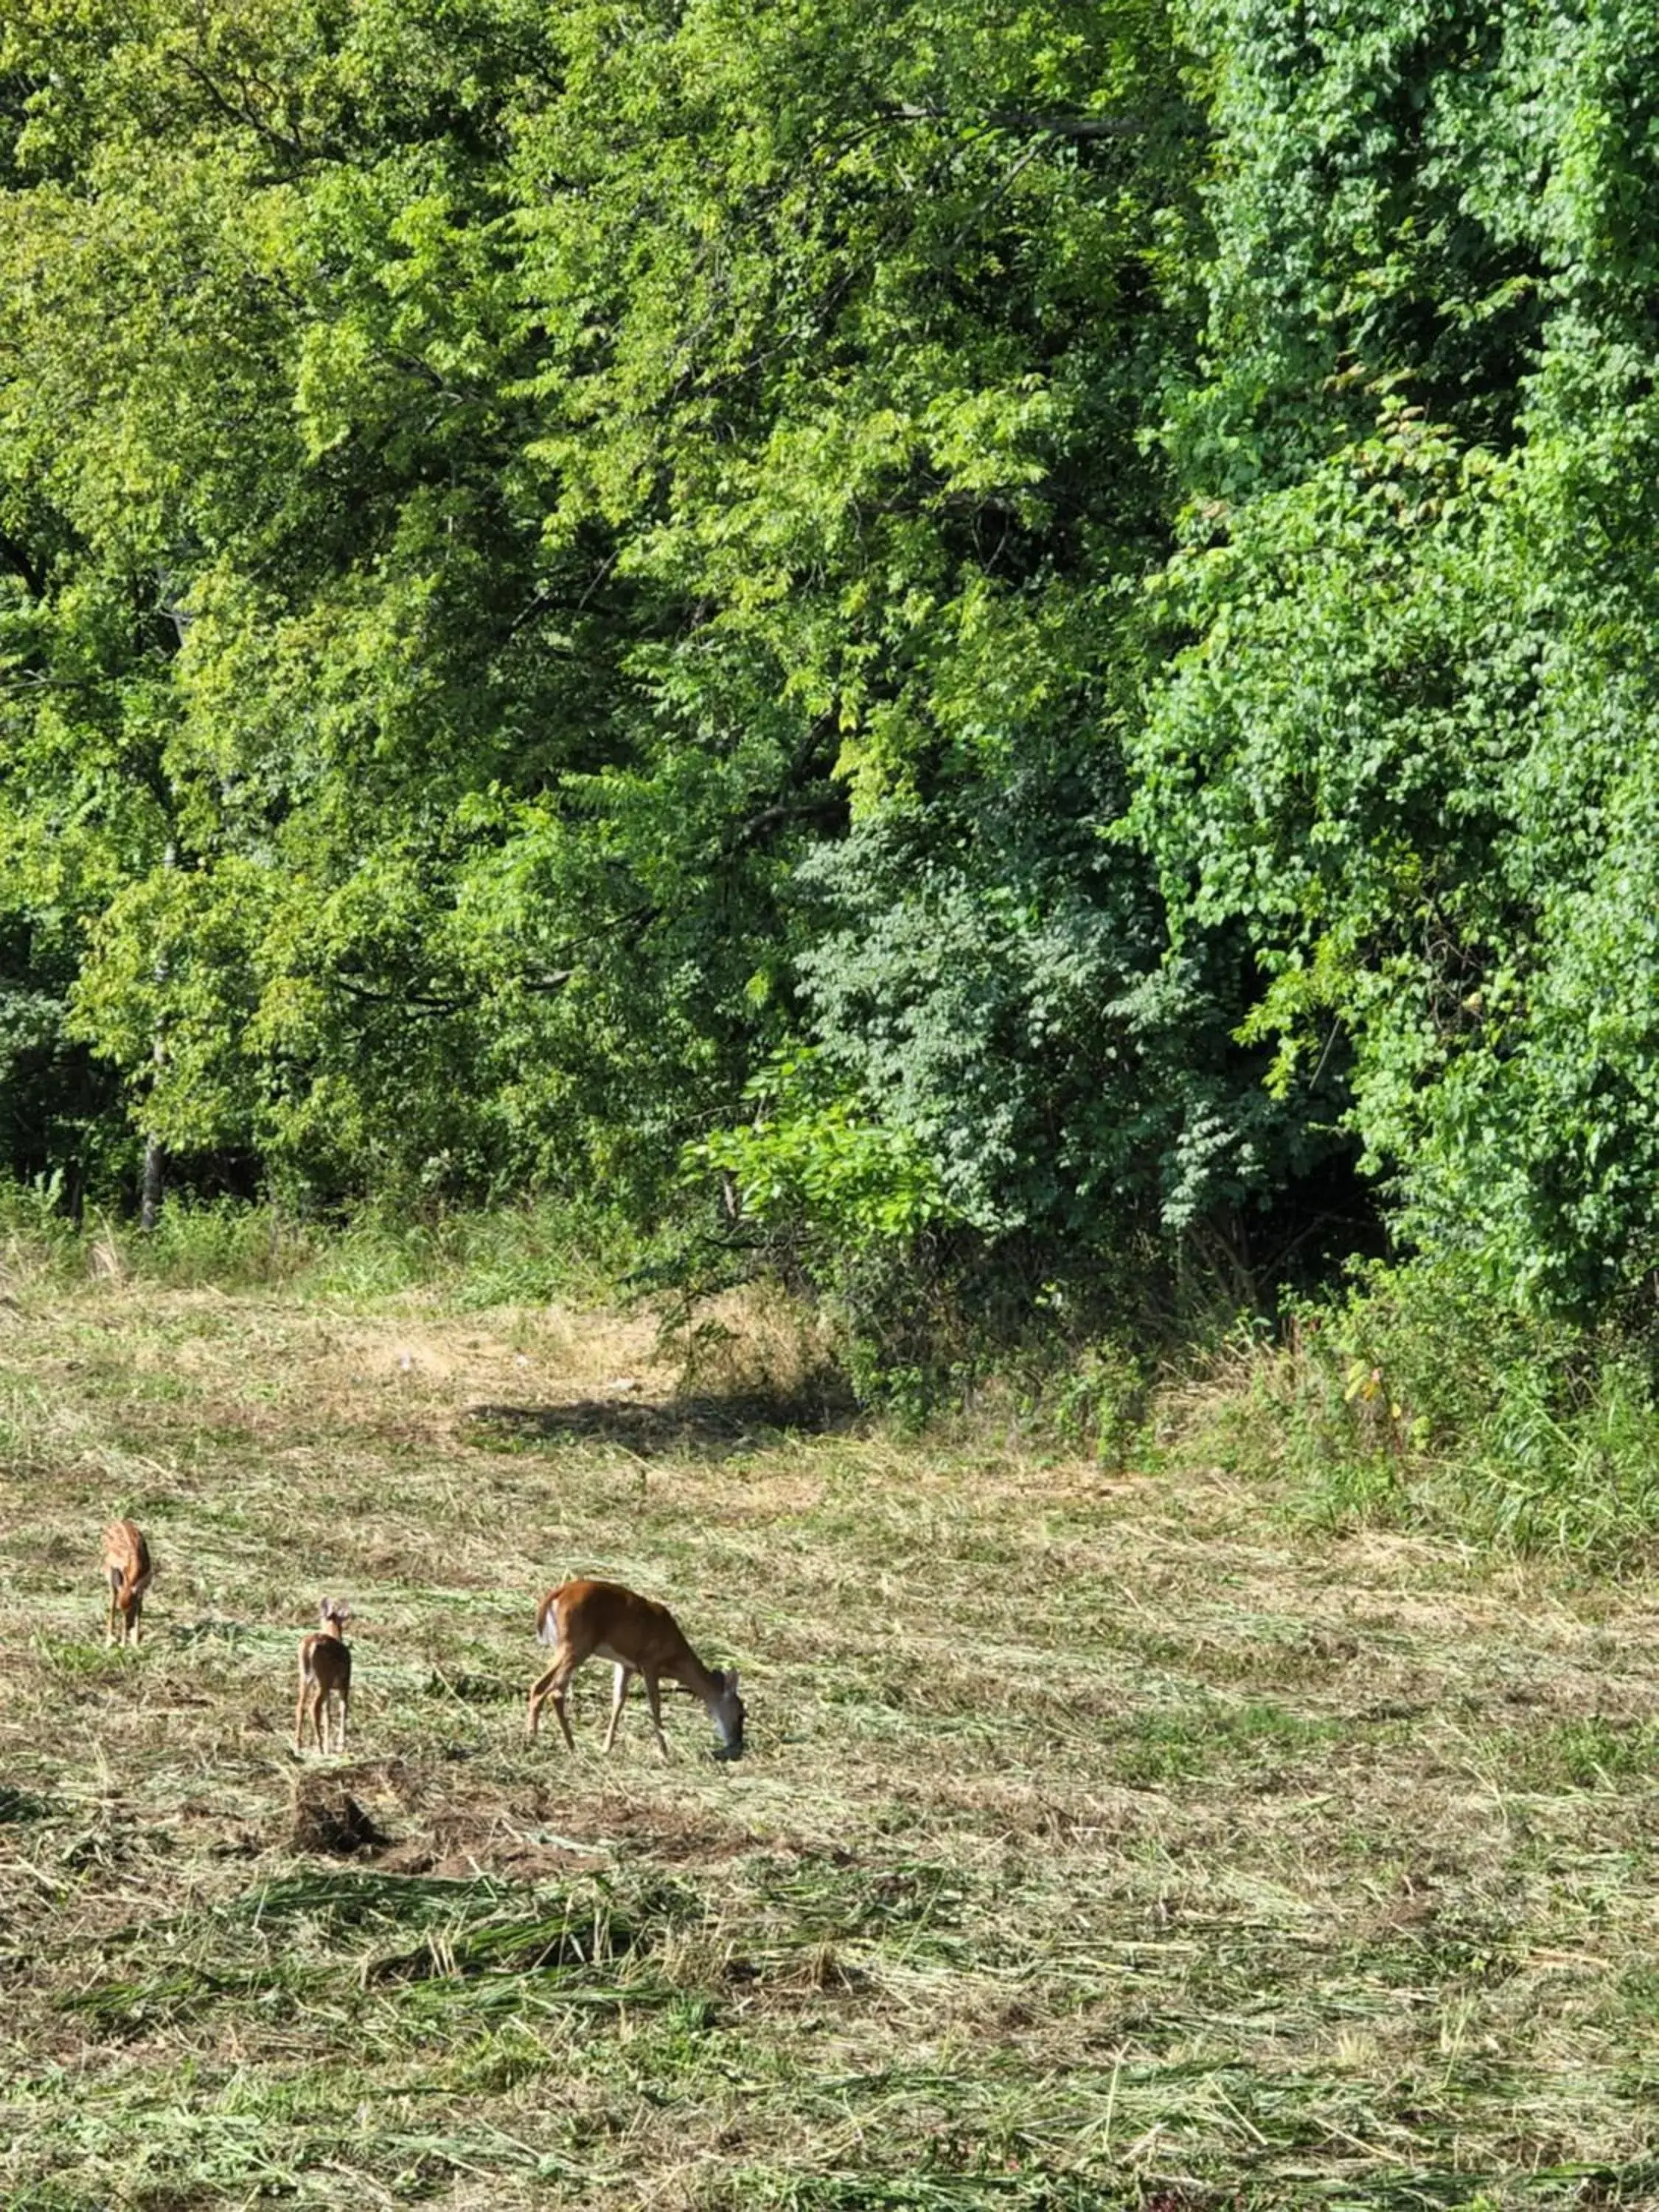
x,y
717,1425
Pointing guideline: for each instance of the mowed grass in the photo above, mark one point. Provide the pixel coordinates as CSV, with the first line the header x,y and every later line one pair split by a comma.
x,y
1103,1841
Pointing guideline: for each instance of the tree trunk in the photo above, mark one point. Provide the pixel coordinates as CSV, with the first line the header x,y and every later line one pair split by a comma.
x,y
149,1191
150,1195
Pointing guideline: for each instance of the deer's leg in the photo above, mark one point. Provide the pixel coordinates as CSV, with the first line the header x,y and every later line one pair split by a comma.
x,y
300,1716
567,1664
538,1690
653,1698
553,1684
559,1689
618,1692
345,1710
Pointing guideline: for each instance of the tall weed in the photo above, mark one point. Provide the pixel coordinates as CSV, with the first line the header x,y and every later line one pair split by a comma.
x,y
36,1238
1413,1400
531,1253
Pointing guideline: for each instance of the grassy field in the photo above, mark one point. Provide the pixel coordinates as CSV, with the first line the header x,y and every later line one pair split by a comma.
x,y
1103,1841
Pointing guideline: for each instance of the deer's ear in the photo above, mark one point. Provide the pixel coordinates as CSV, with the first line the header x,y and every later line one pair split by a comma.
x,y
732,1681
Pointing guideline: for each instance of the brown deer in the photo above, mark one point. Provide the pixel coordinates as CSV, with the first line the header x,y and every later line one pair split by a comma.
x,y
127,1570
602,1620
325,1675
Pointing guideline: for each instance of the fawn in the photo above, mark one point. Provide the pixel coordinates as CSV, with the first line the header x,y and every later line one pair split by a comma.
x,y
588,1619
127,1570
324,1675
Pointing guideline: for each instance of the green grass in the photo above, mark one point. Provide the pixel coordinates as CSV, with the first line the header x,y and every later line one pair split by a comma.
x,y
1103,1841
1420,1400
478,1257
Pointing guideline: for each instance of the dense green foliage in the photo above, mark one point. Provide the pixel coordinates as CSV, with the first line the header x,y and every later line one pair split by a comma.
x,y
1028,628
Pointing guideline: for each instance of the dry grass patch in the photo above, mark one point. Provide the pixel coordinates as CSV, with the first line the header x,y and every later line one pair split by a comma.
x,y
1101,1842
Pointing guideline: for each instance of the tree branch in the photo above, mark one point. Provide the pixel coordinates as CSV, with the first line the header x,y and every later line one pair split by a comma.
x,y
241,111
18,561
1029,124
414,1002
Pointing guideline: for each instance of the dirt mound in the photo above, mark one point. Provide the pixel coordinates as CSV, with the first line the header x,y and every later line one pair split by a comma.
x,y
327,1818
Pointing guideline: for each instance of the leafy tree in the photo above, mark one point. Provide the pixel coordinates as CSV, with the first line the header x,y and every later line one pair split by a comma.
x,y
1406,749
1026,629
522,483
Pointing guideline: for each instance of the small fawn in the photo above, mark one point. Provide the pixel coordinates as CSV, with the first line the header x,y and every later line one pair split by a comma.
x,y
602,1620
324,1675
127,1570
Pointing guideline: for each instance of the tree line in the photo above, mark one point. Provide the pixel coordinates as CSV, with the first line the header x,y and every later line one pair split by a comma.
x,y
1024,629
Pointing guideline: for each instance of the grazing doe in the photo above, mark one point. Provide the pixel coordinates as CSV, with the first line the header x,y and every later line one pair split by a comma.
x,y
324,1675
127,1570
602,1620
